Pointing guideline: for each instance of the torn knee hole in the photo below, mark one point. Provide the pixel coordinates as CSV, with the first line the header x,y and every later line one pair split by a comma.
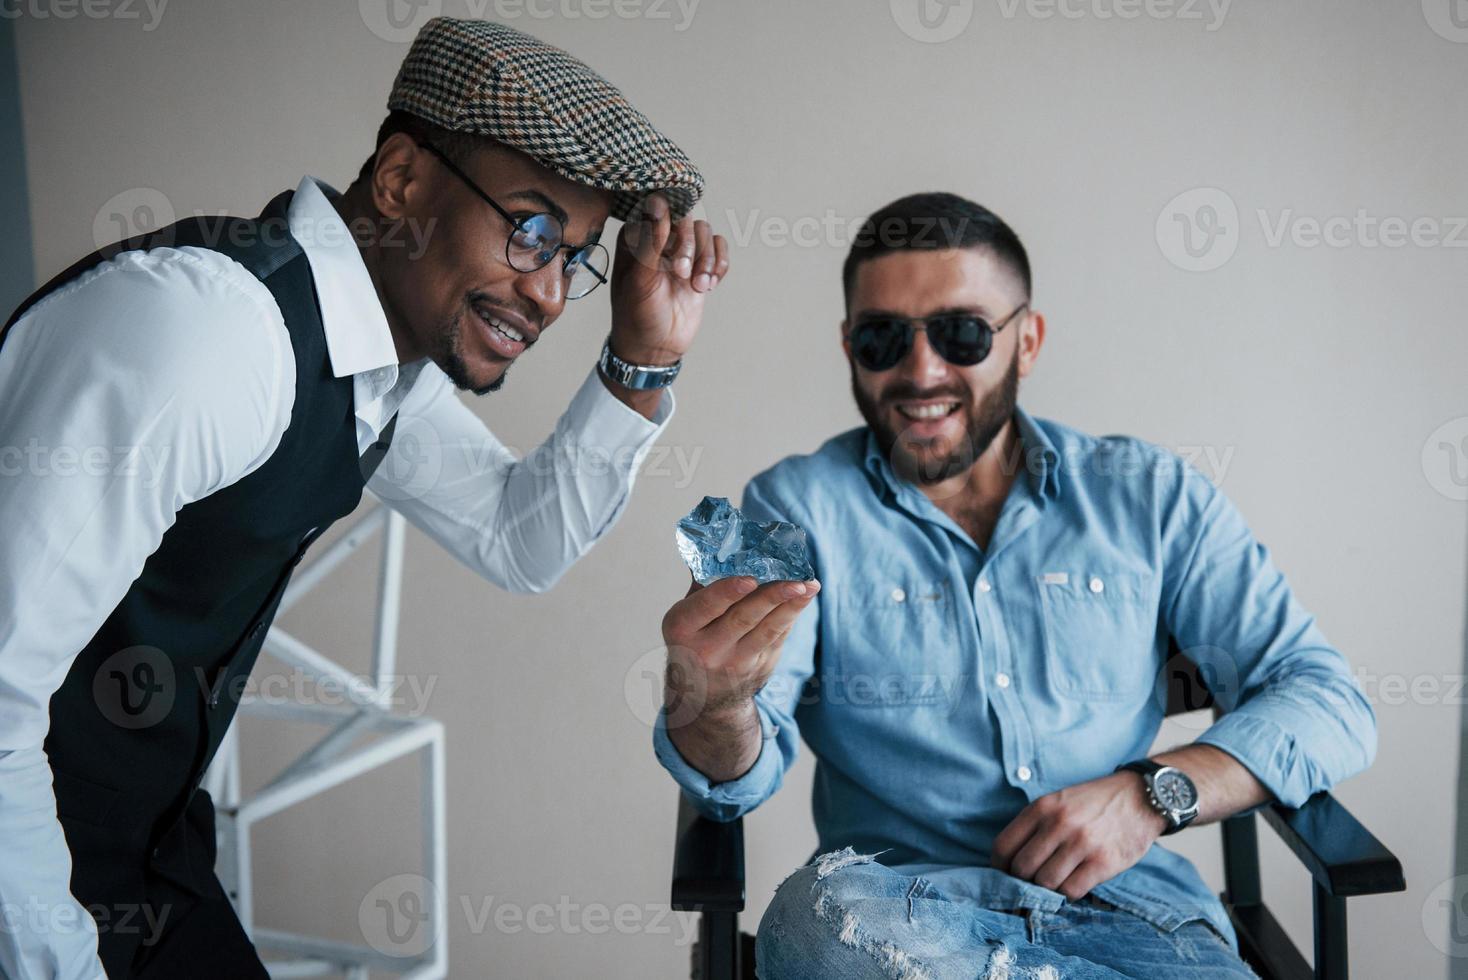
x,y
896,963
1002,966
834,861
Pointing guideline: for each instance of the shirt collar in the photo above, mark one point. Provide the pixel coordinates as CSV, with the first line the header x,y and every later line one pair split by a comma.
x,y
357,335
1038,456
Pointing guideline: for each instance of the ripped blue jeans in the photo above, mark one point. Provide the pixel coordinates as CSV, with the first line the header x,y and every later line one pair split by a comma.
x,y
846,916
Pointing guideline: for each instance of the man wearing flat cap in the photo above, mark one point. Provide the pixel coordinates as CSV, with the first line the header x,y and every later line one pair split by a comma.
x,y
259,368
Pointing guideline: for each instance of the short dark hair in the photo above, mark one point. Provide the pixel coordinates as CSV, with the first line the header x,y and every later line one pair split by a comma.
x,y
458,147
935,220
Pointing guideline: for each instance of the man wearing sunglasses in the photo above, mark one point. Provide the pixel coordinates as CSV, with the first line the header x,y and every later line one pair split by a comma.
x,y
260,372
978,671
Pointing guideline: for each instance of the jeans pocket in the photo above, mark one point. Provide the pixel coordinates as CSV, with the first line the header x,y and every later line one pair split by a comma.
x,y
1204,926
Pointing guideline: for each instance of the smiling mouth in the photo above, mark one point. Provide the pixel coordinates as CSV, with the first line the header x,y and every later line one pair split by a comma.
x,y
504,339
504,329
927,411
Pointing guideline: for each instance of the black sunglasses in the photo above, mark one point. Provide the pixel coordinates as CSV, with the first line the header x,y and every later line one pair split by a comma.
x,y
879,343
538,238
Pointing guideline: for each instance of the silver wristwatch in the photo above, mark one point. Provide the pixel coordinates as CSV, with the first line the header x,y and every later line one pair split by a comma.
x,y
638,377
1169,791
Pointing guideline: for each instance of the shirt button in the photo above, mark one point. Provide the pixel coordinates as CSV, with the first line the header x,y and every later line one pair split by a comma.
x,y
1097,585
1024,774
984,585
898,595
1001,679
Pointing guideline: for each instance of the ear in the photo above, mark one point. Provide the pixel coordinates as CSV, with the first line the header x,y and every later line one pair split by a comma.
x,y
846,338
1031,339
399,176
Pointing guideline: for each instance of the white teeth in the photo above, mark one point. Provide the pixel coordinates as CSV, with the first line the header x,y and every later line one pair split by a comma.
x,y
509,332
927,411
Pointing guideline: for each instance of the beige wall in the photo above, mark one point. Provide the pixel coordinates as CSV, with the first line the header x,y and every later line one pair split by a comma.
x,y
1317,375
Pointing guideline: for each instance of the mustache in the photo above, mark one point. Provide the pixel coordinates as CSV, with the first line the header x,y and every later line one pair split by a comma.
x,y
907,391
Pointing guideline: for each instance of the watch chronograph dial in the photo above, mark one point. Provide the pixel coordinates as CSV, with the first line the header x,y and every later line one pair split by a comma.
x,y
1174,790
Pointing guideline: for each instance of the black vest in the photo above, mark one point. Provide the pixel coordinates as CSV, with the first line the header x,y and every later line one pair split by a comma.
x,y
146,702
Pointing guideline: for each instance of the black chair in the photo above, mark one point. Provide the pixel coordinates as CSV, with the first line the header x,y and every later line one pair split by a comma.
x,y
1342,856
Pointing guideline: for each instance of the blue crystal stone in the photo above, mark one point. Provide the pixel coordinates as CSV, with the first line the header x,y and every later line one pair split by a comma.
x,y
717,541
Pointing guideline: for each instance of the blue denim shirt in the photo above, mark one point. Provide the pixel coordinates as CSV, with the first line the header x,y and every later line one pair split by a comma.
x,y
942,687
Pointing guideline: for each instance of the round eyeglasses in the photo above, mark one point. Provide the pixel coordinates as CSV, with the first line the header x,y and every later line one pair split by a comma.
x,y
536,238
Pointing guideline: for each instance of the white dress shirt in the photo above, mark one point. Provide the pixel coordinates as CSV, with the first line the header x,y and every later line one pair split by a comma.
x,y
160,377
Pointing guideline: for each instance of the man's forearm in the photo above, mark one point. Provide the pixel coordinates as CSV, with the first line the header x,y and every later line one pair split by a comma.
x,y
1100,828
722,744
1225,786
644,403
724,640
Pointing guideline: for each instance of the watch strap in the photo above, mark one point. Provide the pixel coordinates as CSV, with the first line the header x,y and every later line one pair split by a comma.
x,y
639,377
1147,769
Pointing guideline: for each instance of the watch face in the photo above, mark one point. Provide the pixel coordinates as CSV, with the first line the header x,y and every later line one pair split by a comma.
x,y
1174,790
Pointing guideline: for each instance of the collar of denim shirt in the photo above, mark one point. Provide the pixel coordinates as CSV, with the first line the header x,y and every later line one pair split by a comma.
x,y
1038,456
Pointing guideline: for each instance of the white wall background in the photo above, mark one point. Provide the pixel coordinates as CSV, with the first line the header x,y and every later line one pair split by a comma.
x,y
1317,374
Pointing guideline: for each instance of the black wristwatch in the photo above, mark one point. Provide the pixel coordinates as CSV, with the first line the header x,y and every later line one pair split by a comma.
x,y
1170,792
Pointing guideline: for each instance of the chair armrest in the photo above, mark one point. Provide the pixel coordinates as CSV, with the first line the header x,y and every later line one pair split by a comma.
x,y
1342,855
708,862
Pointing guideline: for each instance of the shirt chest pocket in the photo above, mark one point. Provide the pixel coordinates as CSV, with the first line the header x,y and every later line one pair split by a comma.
x,y
1100,630
895,644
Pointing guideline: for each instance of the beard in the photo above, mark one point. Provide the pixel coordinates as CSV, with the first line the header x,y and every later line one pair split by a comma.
x,y
448,354
922,461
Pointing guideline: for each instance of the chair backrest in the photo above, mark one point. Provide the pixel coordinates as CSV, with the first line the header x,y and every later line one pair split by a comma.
x,y
1186,690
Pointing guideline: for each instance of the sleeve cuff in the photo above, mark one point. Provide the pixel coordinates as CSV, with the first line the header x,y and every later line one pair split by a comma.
x,y
598,420
1267,750
730,799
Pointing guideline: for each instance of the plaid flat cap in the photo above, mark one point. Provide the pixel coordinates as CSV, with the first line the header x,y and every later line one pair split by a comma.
x,y
472,76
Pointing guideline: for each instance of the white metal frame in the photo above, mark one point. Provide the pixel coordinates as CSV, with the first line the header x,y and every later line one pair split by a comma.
x,y
335,759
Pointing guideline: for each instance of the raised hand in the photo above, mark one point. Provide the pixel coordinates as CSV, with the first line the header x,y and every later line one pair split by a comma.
x,y
723,643
661,275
